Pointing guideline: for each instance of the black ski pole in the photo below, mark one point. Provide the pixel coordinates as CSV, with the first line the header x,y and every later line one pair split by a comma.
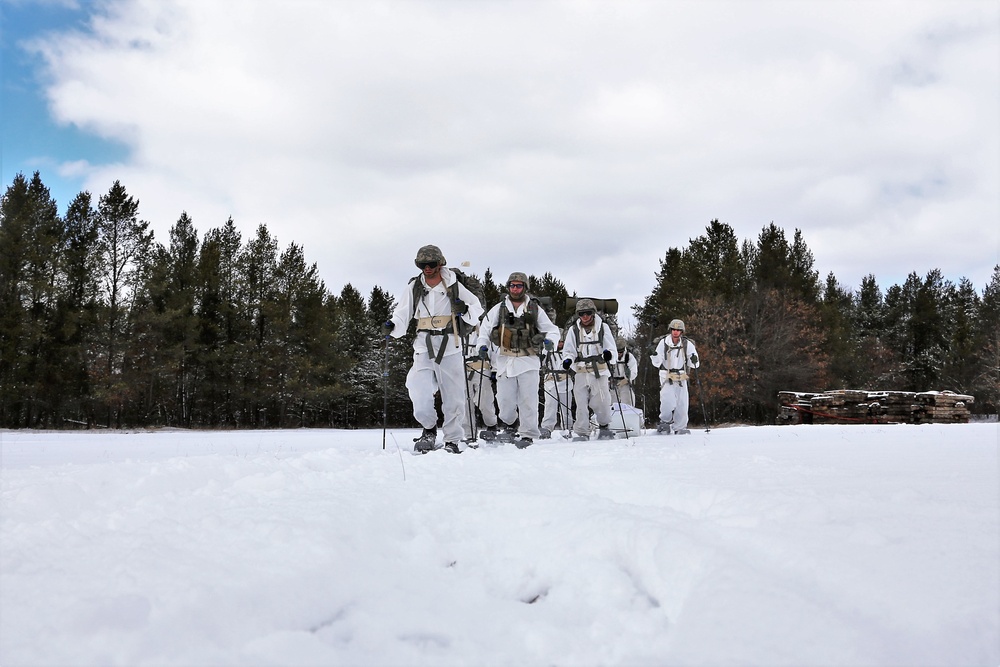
x,y
385,391
701,399
555,384
645,369
614,385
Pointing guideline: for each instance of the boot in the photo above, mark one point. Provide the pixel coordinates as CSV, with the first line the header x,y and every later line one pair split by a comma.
x,y
506,434
425,442
489,434
521,443
663,428
452,448
544,433
605,433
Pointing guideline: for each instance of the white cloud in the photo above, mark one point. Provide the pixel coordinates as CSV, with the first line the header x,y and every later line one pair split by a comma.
x,y
583,138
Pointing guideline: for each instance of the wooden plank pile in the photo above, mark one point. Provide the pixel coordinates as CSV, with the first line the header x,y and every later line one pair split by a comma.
x,y
852,406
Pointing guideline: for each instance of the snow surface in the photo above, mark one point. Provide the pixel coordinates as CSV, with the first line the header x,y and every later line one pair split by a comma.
x,y
804,545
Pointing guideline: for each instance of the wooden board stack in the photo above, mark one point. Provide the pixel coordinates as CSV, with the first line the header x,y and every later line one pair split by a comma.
x,y
851,406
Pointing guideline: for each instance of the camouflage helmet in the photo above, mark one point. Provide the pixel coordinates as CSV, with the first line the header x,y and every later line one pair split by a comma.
x,y
585,304
429,253
620,343
677,324
520,277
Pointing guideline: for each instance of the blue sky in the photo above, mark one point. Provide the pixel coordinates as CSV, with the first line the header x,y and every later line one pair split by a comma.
x,y
31,139
581,138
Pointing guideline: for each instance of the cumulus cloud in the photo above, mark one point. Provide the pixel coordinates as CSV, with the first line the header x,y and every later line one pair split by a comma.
x,y
583,138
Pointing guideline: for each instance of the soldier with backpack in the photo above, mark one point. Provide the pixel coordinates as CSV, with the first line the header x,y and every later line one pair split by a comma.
x,y
674,355
625,370
588,350
521,331
444,310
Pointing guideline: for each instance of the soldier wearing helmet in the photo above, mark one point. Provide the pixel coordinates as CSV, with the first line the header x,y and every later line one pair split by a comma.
x,y
624,373
440,304
675,356
521,331
588,350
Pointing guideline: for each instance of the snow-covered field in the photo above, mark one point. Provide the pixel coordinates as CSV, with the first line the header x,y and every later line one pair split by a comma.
x,y
798,545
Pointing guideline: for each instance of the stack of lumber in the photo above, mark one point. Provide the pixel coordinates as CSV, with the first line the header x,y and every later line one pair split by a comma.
x,y
852,406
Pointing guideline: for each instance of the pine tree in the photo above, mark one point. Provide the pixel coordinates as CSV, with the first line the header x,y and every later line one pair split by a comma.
x,y
123,244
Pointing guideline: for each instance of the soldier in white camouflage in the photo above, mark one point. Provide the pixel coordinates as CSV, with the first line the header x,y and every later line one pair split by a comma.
x,y
440,304
675,355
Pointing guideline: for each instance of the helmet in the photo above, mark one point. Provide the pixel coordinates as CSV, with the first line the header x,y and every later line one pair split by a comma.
x,y
620,343
677,324
429,253
517,276
585,304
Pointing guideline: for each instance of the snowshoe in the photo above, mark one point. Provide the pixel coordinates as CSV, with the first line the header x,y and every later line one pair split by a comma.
x,y
544,433
605,433
506,434
452,448
580,438
682,431
521,443
663,428
489,434
425,442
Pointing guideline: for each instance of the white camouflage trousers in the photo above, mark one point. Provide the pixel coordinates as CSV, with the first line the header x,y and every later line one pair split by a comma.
x,y
673,402
426,378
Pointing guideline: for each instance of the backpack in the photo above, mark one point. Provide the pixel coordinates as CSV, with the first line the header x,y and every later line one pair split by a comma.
x,y
468,281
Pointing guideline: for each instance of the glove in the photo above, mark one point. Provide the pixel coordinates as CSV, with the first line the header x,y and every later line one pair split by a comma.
x,y
567,363
607,356
548,345
651,349
694,359
387,327
484,353
461,307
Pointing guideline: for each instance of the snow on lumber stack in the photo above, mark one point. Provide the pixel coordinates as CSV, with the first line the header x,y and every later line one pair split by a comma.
x,y
846,406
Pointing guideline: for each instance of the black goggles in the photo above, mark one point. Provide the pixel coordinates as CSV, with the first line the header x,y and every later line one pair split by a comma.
x,y
515,285
427,265
586,313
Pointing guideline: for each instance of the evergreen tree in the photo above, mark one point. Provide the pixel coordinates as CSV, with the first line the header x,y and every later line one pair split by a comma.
x,y
123,244
986,383
221,331
258,264
31,235
76,317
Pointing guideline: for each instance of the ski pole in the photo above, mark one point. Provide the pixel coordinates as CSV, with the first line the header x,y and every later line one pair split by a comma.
x,y
385,391
614,385
701,399
645,370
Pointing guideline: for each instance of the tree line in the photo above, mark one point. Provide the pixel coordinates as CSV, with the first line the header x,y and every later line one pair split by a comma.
x,y
101,325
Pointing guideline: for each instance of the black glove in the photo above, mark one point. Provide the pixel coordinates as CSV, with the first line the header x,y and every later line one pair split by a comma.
x,y
461,307
567,363
548,345
607,356
651,349
694,359
484,353
387,327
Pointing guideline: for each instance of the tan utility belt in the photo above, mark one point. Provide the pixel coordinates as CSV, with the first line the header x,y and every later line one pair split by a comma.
x,y
588,367
677,376
623,382
530,352
477,365
436,322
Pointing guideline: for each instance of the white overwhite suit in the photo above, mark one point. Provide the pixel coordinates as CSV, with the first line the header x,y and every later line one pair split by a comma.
x,y
435,369
518,369
586,346
674,359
